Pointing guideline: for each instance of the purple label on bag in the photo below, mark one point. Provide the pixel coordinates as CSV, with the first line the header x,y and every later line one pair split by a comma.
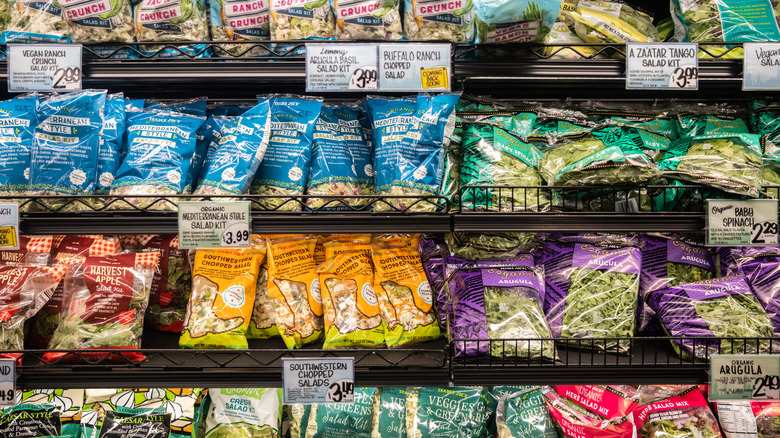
x,y
524,260
717,287
680,252
502,278
626,259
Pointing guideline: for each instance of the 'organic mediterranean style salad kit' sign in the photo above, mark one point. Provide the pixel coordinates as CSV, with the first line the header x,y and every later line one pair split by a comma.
x,y
208,224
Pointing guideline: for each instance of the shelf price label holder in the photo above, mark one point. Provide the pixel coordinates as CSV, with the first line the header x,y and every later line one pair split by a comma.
x,y
318,380
7,382
761,67
662,66
44,67
382,67
212,224
750,222
745,376
9,225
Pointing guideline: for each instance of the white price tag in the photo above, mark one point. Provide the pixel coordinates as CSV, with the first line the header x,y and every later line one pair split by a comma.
x,y
44,67
9,225
742,222
761,67
415,67
744,377
211,224
662,66
7,382
320,380
341,67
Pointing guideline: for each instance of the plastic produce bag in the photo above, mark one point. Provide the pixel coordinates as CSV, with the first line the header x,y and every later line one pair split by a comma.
x,y
525,21
746,419
493,157
410,137
160,146
35,22
224,282
390,414
762,273
104,305
465,413
501,302
237,154
99,22
244,412
18,119
725,20
405,296
263,325
574,422
668,261
351,308
35,421
295,286
299,420
302,19
185,21
338,420
431,20
612,22
111,141
717,119
67,403
686,415
240,21
33,250
591,291
493,246
286,164
23,292
560,44
171,286
523,414
125,422
66,146
341,160
368,20
731,163
723,307
432,253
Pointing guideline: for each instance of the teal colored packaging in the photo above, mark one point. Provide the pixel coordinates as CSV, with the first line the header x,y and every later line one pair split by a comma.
x,y
390,421
68,402
299,420
391,119
515,21
17,122
35,421
286,165
494,397
688,125
228,110
111,142
127,422
340,420
446,412
237,154
524,415
66,143
160,146
725,21
341,158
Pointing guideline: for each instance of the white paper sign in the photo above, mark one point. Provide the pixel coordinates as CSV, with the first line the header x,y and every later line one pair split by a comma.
x,y
742,222
319,380
761,67
662,66
211,224
44,67
341,67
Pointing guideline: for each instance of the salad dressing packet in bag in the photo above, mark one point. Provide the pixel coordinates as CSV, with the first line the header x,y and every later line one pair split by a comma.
x,y
160,146
390,414
722,307
33,250
286,164
105,301
504,21
350,305
341,419
224,282
294,284
18,118
23,292
431,20
404,294
453,411
301,20
244,412
368,20
66,147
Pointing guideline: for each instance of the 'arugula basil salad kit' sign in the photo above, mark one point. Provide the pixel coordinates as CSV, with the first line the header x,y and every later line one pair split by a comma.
x,y
341,67
742,223
44,67
668,66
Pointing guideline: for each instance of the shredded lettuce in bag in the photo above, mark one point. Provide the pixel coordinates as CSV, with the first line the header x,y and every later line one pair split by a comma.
x,y
244,412
36,22
725,20
722,307
224,282
523,21
66,147
95,23
730,162
19,119
182,21
302,19
160,146
286,164
240,20
368,20
431,20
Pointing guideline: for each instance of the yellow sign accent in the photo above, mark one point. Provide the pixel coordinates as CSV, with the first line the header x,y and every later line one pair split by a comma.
x,y
8,236
437,77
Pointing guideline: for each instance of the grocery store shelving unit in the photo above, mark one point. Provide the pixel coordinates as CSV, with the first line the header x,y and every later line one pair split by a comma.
x,y
502,71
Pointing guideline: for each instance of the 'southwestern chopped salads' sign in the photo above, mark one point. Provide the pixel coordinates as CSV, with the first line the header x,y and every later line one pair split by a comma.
x,y
325,380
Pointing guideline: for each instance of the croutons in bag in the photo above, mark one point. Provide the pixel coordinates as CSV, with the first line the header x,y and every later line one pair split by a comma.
x,y
105,302
294,284
405,296
350,305
224,283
